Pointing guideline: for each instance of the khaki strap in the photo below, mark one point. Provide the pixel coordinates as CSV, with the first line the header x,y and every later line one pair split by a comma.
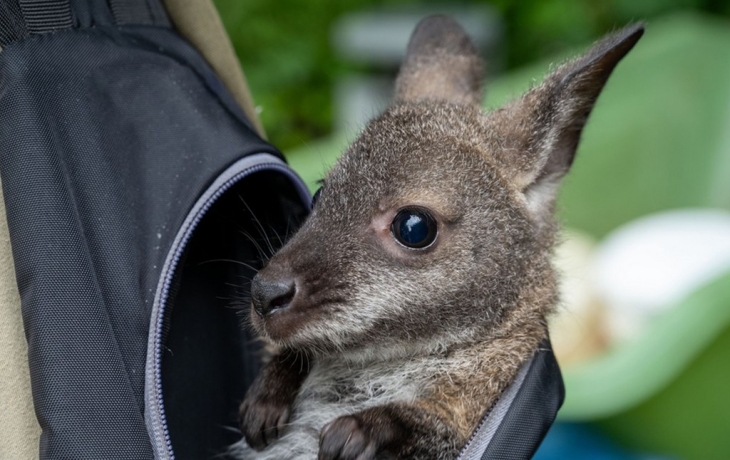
x,y
19,429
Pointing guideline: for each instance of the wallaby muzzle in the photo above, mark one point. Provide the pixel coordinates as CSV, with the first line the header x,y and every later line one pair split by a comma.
x,y
270,295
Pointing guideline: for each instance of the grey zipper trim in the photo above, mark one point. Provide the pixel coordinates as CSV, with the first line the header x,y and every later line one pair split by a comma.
x,y
482,436
154,406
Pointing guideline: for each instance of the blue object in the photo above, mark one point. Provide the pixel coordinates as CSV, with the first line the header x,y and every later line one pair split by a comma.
x,y
578,441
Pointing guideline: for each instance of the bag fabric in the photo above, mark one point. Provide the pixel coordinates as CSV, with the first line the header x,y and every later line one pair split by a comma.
x,y
116,133
199,23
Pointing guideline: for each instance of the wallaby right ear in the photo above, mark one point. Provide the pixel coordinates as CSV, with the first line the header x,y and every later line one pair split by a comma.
x,y
548,120
441,64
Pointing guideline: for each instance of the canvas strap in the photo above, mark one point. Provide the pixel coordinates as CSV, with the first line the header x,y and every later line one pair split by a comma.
x,y
43,16
21,18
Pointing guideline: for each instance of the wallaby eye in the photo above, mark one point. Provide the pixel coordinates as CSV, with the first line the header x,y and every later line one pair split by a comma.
x,y
316,195
414,228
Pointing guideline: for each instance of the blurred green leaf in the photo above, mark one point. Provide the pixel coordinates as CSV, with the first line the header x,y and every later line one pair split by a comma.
x,y
284,46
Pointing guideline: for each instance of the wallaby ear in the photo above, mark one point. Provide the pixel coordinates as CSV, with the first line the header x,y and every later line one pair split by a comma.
x,y
441,64
550,117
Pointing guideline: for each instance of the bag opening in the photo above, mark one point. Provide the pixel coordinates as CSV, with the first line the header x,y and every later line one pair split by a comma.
x,y
204,356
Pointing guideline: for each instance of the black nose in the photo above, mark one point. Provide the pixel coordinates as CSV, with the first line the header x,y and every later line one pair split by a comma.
x,y
270,295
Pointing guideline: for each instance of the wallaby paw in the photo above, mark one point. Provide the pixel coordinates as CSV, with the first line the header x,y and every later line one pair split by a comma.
x,y
348,438
262,421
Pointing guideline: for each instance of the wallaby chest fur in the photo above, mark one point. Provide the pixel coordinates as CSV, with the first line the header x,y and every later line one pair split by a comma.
x,y
336,387
422,280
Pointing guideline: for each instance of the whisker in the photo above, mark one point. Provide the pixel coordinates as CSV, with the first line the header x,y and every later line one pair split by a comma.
x,y
262,253
260,226
229,261
278,237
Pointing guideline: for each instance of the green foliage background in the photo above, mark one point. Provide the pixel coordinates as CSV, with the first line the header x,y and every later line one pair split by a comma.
x,y
284,46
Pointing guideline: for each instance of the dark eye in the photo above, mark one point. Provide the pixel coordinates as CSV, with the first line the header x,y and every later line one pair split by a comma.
x,y
316,195
414,228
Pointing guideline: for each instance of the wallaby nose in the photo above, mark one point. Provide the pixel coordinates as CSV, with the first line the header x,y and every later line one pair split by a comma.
x,y
269,295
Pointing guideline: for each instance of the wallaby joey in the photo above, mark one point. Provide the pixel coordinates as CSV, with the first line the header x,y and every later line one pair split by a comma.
x,y
422,279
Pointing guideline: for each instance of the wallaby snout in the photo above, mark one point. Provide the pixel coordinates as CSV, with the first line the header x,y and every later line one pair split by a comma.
x,y
270,295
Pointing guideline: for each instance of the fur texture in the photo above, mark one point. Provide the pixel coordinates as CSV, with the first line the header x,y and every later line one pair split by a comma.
x,y
388,352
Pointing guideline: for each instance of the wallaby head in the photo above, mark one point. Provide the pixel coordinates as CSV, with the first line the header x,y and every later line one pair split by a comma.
x,y
436,225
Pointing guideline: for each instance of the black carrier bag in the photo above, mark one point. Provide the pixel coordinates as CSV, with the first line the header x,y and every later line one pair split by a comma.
x,y
132,179
140,201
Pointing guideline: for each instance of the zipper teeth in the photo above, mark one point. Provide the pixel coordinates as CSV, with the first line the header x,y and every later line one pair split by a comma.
x,y
168,281
476,431
519,377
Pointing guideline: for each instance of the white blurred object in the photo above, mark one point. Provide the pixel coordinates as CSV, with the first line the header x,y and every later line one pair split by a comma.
x,y
576,329
646,266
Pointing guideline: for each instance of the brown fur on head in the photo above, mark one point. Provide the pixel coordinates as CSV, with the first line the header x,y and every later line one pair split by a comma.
x,y
488,179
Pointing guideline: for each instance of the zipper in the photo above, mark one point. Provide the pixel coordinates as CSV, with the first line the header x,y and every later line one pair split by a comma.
x,y
154,404
488,425
477,430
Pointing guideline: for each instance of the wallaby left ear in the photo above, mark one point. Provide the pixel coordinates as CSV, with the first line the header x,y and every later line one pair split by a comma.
x,y
441,64
551,117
